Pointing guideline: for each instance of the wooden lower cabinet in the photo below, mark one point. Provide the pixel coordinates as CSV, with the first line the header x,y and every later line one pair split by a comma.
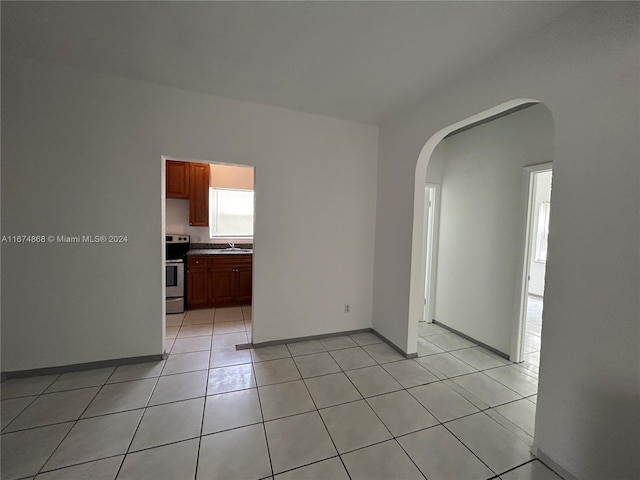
x,y
224,281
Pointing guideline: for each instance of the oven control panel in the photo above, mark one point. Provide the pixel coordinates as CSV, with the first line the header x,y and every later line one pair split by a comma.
x,y
176,239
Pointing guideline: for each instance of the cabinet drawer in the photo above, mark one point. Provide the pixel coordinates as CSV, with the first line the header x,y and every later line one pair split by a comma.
x,y
199,260
232,260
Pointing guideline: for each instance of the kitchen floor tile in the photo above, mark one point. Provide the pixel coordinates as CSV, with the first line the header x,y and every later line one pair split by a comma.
x,y
354,425
366,338
338,343
23,387
119,397
305,348
486,389
186,362
226,357
493,444
174,319
425,347
200,316
191,344
228,327
168,423
11,408
229,340
477,359
200,330
24,453
231,410
521,412
276,371
274,352
442,401
450,341
83,379
517,380
229,379
330,390
445,365
350,358
331,469
383,353
401,413
228,314
182,386
54,408
171,332
427,329
297,441
535,470
409,373
440,455
219,456
95,438
170,462
373,381
137,371
316,364
285,399
381,462
105,469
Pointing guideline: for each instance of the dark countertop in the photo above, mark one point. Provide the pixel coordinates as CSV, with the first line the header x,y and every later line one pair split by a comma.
x,y
219,251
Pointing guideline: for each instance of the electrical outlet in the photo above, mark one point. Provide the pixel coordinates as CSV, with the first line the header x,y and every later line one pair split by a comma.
x,y
347,307
198,239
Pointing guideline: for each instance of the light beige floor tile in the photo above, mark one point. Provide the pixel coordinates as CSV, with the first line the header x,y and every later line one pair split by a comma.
x,y
409,373
105,469
229,379
442,402
425,347
477,359
274,352
23,387
331,469
533,399
305,348
229,340
119,397
486,389
401,413
383,353
228,314
174,319
171,332
373,381
186,362
226,357
285,399
276,371
231,410
198,317
517,380
200,330
350,358
445,365
297,441
511,427
535,470
137,371
354,425
11,408
171,422
54,408
316,364
330,390
86,378
95,438
24,453
191,344
522,413
492,443
219,456
427,329
383,461
450,341
440,455
366,338
169,462
229,327
182,386
338,343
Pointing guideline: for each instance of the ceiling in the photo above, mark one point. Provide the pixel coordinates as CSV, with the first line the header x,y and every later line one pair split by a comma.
x,y
353,60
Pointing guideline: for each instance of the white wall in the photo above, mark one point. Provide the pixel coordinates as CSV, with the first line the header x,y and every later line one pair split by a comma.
x,y
82,155
584,68
482,220
537,270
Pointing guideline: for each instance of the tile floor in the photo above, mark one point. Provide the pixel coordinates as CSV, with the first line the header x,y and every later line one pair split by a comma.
x,y
346,407
533,331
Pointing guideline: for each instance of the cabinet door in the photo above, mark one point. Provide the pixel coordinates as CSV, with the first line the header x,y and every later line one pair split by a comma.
x,y
177,179
221,285
197,286
243,285
199,195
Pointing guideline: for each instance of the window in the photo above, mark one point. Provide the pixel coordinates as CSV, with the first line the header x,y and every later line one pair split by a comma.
x,y
542,232
230,213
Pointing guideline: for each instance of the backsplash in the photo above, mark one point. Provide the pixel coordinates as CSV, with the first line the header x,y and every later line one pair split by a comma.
x,y
195,246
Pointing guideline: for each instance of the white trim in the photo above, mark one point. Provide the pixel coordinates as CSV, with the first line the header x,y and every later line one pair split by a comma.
x,y
431,237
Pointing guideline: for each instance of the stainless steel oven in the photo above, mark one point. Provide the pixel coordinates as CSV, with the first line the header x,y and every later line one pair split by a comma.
x,y
176,248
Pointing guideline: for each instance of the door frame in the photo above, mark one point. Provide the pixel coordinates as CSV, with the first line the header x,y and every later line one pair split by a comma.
x,y
431,237
522,287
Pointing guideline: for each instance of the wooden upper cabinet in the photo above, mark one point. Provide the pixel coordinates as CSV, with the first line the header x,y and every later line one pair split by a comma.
x,y
177,176
199,195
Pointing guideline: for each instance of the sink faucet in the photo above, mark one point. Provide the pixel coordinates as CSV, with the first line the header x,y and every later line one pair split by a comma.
x,y
232,245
